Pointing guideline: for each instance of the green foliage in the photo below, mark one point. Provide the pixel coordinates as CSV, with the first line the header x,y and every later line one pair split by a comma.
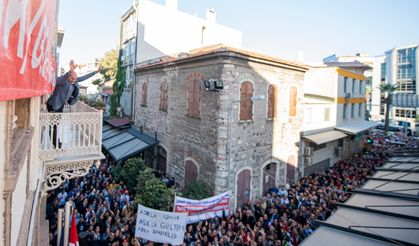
x,y
92,102
84,99
198,190
96,81
130,171
118,87
386,90
108,64
140,179
155,194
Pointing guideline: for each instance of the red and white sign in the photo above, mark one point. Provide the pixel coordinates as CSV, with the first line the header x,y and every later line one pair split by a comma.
x,y
28,43
208,208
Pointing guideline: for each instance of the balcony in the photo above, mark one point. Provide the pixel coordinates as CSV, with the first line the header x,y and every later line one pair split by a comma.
x,y
78,141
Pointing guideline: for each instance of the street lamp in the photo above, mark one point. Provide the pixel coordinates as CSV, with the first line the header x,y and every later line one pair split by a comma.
x,y
230,120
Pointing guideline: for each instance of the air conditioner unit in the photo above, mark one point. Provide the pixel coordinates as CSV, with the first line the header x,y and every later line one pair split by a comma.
x,y
308,151
347,95
307,161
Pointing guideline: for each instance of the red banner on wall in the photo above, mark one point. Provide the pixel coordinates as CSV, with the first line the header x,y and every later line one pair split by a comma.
x,y
28,43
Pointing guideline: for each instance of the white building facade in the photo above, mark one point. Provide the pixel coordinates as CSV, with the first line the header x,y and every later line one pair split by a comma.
x,y
398,66
334,109
150,30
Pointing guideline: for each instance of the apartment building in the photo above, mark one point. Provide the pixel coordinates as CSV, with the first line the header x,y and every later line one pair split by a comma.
x,y
334,122
150,30
397,66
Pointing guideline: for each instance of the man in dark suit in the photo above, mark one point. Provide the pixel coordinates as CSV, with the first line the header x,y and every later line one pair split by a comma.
x,y
66,91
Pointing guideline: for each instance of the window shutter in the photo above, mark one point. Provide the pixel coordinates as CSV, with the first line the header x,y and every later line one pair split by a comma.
x,y
198,98
293,101
249,101
163,96
190,99
271,101
246,104
243,101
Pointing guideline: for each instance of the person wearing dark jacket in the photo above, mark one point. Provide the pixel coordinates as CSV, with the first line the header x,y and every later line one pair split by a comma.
x,y
66,91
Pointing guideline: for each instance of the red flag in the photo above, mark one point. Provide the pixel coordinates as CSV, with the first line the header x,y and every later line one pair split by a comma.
x,y
74,237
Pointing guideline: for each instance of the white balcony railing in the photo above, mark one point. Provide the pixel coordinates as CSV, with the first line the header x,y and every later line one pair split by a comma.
x,y
76,147
78,132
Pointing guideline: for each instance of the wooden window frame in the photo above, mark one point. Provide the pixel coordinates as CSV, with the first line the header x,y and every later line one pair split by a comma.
x,y
164,88
194,98
270,114
246,103
293,101
144,89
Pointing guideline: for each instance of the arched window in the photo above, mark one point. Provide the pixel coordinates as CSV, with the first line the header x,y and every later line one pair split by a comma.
x,y
191,172
271,102
194,98
293,101
144,94
163,96
246,103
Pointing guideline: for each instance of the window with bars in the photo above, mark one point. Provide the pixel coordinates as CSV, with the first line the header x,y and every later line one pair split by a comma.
x,y
345,108
405,113
293,101
406,70
194,98
345,84
246,103
163,96
271,102
353,86
383,72
144,94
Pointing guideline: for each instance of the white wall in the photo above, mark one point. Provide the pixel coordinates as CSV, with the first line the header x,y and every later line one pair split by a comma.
x,y
314,114
164,30
325,153
18,203
3,131
321,81
376,94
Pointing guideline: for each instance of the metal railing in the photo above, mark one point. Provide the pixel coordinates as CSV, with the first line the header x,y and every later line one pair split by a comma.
x,y
78,132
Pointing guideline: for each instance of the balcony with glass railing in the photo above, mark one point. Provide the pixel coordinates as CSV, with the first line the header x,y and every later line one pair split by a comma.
x,y
77,145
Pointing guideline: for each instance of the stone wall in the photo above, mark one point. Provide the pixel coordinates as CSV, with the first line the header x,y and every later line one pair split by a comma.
x,y
255,143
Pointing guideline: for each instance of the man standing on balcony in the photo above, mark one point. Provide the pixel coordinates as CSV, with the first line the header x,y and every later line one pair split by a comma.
x,y
66,91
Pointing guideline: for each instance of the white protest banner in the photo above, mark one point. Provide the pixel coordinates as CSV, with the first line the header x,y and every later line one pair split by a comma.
x,y
203,209
159,226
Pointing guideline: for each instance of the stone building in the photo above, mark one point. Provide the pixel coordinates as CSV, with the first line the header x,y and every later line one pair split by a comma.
x,y
203,104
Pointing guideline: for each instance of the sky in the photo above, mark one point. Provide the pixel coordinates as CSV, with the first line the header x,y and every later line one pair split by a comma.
x,y
280,28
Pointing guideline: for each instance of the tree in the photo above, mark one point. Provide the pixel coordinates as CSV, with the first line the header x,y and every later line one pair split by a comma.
x,y
155,194
130,172
387,90
198,190
108,64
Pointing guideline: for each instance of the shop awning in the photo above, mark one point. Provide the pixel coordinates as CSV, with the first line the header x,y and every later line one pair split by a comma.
x,y
356,127
122,144
324,137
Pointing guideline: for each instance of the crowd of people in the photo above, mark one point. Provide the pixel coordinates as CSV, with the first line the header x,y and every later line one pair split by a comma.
x,y
105,214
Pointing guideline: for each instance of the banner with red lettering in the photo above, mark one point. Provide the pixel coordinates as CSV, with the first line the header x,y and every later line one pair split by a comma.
x,y
198,210
28,44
